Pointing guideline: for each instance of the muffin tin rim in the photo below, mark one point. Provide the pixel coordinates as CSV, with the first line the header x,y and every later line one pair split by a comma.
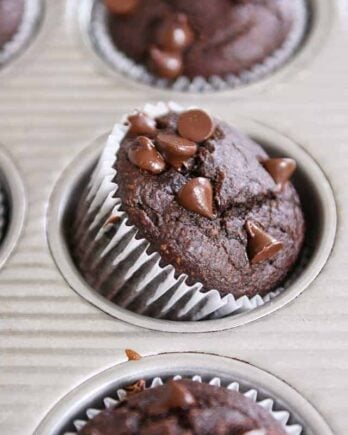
x,y
32,43
183,363
60,251
16,196
322,20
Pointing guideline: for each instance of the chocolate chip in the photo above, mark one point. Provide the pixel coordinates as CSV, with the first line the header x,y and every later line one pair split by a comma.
x,y
197,196
261,246
167,64
281,170
175,33
174,396
175,149
135,388
132,355
196,125
122,7
143,154
140,123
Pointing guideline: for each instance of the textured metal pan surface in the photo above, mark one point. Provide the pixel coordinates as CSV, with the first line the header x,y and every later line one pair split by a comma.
x,y
54,100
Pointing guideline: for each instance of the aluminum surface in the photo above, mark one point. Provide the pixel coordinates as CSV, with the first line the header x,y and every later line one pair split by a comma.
x,y
54,100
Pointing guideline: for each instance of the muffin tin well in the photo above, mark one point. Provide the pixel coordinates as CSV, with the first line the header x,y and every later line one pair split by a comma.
x,y
319,208
12,205
32,18
313,25
289,406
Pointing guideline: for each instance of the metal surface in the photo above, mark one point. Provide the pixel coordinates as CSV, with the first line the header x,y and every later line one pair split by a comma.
x,y
87,395
311,183
16,199
54,99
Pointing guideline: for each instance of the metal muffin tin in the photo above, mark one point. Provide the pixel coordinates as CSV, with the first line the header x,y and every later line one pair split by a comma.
x,y
91,393
310,181
54,99
14,194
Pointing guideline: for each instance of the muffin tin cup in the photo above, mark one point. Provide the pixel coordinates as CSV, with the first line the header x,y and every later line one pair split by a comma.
x,y
3,214
12,206
101,41
105,390
142,291
116,261
27,29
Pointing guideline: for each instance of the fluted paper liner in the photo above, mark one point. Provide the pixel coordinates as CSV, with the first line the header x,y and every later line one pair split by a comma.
x,y
115,260
32,12
281,415
121,62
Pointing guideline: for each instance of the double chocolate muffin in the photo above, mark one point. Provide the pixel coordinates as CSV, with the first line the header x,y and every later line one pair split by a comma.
x,y
184,408
210,201
11,15
201,37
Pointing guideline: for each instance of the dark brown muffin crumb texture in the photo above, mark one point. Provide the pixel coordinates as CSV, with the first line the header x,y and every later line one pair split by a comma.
x,y
215,251
184,408
200,38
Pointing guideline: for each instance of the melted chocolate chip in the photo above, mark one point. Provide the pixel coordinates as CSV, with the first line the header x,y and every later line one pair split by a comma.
x,y
261,246
167,64
143,154
140,123
175,396
175,33
281,170
132,355
122,7
135,388
197,196
196,125
175,149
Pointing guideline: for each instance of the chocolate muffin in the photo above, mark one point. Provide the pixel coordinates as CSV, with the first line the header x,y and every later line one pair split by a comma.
x,y
183,408
199,38
11,15
210,201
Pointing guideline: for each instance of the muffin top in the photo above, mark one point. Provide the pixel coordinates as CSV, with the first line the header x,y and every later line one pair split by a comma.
x,y
11,14
210,201
199,38
183,408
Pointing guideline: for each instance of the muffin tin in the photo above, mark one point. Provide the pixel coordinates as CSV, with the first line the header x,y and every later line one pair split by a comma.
x,y
54,101
32,18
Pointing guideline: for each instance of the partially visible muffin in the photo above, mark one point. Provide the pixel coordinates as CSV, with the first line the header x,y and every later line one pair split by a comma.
x,y
199,38
210,201
185,408
11,15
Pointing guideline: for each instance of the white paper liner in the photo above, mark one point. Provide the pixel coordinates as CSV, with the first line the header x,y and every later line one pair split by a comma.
x,y
29,23
121,62
281,415
115,261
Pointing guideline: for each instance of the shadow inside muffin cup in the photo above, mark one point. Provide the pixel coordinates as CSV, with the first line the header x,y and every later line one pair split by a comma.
x,y
319,209
12,206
